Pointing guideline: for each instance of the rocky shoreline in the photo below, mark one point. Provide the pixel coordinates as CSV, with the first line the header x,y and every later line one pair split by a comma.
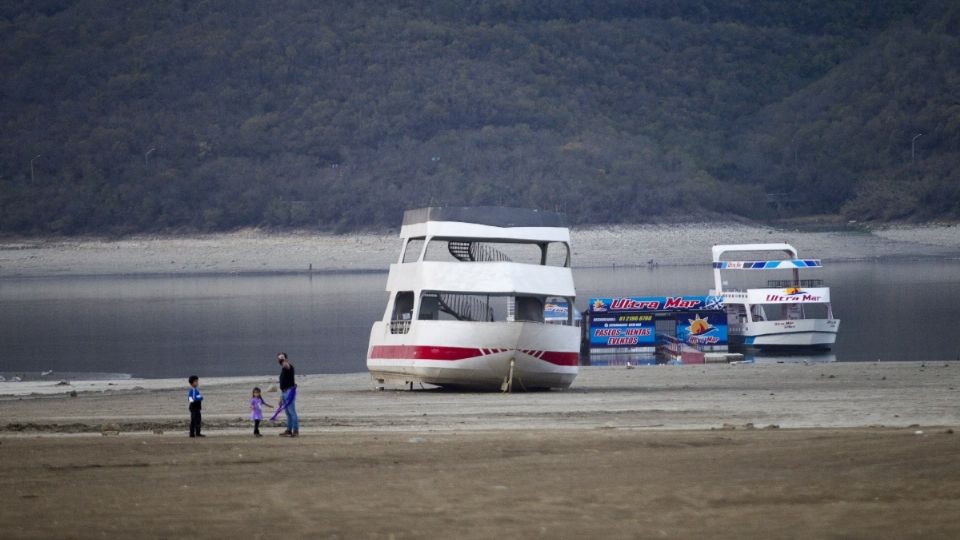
x,y
256,251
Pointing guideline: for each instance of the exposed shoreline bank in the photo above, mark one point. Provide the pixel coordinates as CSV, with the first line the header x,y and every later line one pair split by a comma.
x,y
600,483
840,395
252,252
830,449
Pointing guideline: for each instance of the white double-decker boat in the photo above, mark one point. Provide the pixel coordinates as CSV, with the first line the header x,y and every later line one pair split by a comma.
x,y
788,314
467,300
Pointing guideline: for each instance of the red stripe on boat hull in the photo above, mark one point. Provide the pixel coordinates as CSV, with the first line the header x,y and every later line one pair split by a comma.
x,y
421,352
427,352
561,358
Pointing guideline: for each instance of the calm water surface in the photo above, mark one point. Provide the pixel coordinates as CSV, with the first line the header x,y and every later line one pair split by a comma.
x,y
233,325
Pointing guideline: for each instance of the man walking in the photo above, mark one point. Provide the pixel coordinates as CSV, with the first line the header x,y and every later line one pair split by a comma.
x,y
288,389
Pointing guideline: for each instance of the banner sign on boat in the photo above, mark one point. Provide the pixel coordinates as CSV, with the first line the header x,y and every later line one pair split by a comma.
x,y
768,265
655,303
625,329
704,328
790,295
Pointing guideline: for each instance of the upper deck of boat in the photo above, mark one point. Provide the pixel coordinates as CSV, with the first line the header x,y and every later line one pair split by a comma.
x,y
485,223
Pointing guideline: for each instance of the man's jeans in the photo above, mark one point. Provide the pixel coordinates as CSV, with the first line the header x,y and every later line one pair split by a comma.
x,y
293,421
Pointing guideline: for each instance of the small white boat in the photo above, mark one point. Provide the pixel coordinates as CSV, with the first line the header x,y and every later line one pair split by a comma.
x,y
788,314
467,301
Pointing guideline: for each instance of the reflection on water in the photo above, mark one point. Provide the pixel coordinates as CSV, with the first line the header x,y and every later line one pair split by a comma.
x,y
58,376
233,325
749,357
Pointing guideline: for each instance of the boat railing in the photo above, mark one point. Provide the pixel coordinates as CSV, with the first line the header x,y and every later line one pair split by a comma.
x,y
476,252
399,327
785,283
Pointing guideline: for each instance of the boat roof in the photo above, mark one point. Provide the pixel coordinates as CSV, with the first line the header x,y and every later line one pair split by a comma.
x,y
485,222
495,216
720,249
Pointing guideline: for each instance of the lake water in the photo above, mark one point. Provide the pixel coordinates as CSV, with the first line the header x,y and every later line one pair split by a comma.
x,y
234,325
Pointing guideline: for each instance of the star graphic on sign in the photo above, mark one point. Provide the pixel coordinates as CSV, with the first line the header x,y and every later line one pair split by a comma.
x,y
699,326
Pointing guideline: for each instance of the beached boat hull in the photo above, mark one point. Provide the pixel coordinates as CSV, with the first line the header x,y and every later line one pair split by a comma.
x,y
475,355
786,335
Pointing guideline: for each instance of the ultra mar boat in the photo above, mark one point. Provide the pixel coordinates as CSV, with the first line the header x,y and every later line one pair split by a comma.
x,y
788,314
467,300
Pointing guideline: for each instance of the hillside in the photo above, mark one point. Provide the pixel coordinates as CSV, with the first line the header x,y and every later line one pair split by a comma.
x,y
169,116
878,137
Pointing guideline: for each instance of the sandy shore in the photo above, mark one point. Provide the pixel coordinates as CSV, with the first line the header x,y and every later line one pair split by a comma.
x,y
258,251
840,395
869,483
727,451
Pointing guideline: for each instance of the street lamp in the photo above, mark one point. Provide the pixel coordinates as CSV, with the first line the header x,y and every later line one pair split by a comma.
x,y
913,146
31,166
146,155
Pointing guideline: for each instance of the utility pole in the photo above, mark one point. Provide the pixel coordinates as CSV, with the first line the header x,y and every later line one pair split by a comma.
x,y
146,155
913,146
31,167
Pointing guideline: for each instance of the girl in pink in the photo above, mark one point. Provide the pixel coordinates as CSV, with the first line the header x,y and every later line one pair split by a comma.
x,y
256,411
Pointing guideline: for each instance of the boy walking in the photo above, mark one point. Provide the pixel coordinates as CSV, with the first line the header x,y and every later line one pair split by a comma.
x,y
195,400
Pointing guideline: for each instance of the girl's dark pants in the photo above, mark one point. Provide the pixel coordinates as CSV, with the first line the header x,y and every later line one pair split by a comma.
x,y
194,421
256,427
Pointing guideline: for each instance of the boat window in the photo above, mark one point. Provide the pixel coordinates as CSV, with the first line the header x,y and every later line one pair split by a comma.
x,y
528,308
430,308
789,312
402,315
556,310
558,254
403,306
411,252
751,279
451,306
448,250
447,306
784,283
816,311
736,314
